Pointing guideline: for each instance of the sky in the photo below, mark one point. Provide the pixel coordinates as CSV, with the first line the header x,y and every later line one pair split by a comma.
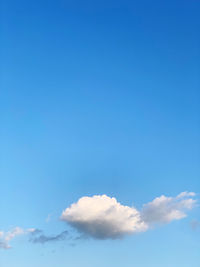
x,y
99,133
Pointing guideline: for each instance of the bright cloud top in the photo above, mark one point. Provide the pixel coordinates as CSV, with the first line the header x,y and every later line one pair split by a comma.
x,y
103,217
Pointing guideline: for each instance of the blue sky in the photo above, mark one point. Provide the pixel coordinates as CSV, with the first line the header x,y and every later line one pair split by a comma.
x,y
98,97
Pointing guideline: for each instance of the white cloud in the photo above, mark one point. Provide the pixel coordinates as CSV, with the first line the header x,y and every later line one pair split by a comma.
x,y
103,217
48,218
6,237
13,233
186,194
166,209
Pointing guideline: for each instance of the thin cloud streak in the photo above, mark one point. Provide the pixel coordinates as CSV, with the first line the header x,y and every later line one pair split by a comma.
x,y
37,237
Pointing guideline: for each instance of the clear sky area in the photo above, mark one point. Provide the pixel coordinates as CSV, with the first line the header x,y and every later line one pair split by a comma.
x,y
99,133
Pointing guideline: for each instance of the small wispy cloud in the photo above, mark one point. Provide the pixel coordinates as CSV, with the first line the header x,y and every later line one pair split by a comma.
x,y
6,237
48,218
38,237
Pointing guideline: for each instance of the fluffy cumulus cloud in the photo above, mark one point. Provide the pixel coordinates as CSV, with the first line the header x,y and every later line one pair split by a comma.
x,y
102,217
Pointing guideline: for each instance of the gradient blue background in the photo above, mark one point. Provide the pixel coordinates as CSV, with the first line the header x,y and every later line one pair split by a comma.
x,y
98,97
